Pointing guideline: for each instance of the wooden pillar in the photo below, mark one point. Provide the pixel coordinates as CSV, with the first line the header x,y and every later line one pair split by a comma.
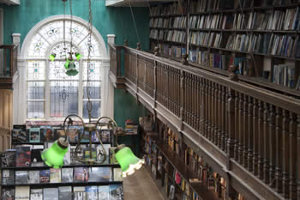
x,y
250,134
285,153
278,147
272,148
236,127
231,123
293,156
260,139
245,131
255,137
266,148
241,134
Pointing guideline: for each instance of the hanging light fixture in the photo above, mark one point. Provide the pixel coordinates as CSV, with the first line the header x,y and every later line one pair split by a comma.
x,y
53,156
69,64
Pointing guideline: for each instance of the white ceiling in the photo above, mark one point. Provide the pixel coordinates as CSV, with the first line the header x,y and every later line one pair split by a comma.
x,y
10,2
134,3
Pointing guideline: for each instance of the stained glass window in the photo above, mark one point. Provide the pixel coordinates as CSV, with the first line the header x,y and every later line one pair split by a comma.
x,y
66,94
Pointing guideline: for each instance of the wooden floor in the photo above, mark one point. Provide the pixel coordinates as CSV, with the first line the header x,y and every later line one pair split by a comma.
x,y
140,186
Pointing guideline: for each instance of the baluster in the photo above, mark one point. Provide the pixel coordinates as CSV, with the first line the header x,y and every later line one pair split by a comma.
x,y
236,137
202,106
219,113
266,143
298,153
231,150
223,119
250,134
205,108
278,147
293,156
272,141
285,153
217,110
194,95
241,134
209,101
189,99
245,131
199,97
213,120
255,136
260,139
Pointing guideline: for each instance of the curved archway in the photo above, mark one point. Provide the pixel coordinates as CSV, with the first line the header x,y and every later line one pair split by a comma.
x,y
48,92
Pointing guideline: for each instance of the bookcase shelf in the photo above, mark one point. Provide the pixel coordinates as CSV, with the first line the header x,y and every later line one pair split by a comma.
x,y
261,36
42,185
42,143
65,166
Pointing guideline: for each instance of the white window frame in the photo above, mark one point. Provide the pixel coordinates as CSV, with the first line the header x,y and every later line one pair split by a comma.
x,y
106,89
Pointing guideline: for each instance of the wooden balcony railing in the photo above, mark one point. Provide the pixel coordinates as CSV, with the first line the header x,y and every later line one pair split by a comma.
x,y
8,65
252,133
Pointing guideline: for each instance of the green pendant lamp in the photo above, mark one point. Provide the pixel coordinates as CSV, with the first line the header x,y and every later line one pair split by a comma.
x,y
54,156
52,57
128,161
71,68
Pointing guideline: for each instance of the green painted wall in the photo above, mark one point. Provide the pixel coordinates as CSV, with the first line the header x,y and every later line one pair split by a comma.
x,y
20,19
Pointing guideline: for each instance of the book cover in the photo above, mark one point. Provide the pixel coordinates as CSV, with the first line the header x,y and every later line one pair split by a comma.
x,y
67,175
72,133
81,174
105,136
22,193
79,193
34,135
99,174
36,194
103,192
23,156
21,177
65,193
36,159
8,194
55,175
34,176
112,157
45,176
91,192
103,153
172,192
8,158
50,193
117,174
19,134
48,133
116,192
8,177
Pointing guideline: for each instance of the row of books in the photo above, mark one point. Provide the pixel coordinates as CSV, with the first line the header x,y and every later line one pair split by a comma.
x,y
284,74
172,51
63,175
211,21
39,134
169,9
25,156
197,6
171,22
210,39
168,35
213,60
103,192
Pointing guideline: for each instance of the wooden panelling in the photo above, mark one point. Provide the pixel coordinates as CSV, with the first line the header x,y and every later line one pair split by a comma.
x,y
5,118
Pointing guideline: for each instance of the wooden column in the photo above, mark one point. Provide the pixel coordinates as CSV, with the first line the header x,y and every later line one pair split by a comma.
x,y
231,123
255,137
272,148
236,126
260,141
293,156
250,134
278,148
240,133
224,131
245,131
285,153
266,148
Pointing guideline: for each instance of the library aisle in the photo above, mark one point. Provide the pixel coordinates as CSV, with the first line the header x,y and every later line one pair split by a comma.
x,y
140,185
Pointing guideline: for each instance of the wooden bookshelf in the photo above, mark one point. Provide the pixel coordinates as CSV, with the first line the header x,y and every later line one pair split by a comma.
x,y
256,30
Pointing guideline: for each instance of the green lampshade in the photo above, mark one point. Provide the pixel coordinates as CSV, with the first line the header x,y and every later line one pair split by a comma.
x,y
128,161
54,156
52,57
71,68
78,56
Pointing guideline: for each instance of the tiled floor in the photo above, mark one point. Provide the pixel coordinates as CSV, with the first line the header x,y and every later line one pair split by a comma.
x,y
140,186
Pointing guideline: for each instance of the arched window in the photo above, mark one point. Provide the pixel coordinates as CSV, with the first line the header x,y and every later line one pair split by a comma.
x,y
50,92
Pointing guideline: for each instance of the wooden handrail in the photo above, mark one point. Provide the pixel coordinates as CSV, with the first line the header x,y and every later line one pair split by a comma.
x,y
258,128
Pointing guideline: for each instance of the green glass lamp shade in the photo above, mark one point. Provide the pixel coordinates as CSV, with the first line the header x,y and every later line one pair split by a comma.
x,y
71,68
54,156
78,56
128,161
52,57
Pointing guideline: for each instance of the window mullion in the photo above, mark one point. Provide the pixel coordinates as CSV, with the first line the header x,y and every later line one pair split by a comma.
x,y
80,89
47,92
